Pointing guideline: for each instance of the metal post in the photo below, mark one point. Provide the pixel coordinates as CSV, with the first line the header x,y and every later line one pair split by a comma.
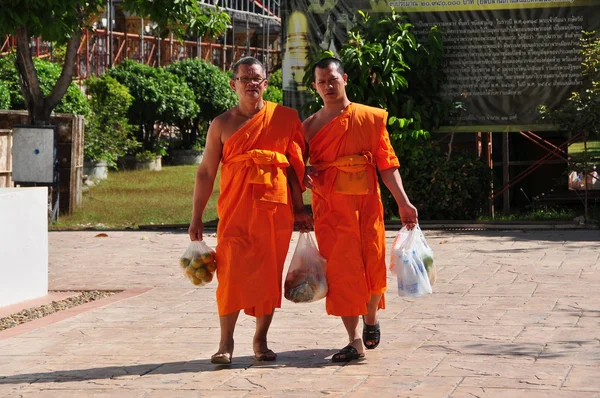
x,y
505,172
491,166
142,43
233,34
109,24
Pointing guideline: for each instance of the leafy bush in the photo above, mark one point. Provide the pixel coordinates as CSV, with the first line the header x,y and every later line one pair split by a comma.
x,y
48,73
388,68
4,96
108,134
274,92
159,97
212,95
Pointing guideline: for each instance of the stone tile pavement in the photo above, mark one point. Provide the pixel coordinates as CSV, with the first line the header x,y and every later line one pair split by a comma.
x,y
513,314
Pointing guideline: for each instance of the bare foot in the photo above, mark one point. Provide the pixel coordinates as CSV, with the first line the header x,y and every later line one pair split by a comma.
x,y
223,355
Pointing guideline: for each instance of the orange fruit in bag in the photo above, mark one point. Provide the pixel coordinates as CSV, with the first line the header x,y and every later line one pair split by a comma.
x,y
207,257
201,273
196,262
208,278
184,262
211,267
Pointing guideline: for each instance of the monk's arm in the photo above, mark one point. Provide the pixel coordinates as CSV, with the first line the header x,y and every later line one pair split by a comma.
x,y
295,190
205,178
392,180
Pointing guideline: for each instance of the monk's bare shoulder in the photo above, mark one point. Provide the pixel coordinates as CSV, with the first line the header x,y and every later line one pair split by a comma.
x,y
310,125
222,125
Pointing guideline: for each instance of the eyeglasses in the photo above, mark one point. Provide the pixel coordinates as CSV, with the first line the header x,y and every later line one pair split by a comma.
x,y
246,80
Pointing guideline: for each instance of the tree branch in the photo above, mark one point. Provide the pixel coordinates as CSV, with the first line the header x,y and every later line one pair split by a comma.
x,y
30,84
66,77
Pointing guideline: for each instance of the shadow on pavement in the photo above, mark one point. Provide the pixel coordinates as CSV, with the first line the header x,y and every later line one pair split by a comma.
x,y
297,359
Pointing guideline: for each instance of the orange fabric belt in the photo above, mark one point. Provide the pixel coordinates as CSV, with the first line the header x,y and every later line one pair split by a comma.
x,y
352,173
267,170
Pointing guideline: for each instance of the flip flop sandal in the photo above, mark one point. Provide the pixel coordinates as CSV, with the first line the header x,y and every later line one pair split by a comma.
x,y
268,355
371,333
346,354
220,359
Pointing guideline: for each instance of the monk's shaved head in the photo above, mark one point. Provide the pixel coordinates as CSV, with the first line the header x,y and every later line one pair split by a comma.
x,y
247,61
325,62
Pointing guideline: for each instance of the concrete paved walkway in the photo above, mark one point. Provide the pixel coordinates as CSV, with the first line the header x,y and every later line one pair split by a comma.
x,y
513,314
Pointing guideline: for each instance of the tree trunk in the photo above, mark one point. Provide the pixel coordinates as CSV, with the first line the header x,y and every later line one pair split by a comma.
x,y
38,106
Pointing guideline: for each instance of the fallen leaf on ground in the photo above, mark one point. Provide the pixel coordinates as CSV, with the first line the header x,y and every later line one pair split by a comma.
x,y
101,235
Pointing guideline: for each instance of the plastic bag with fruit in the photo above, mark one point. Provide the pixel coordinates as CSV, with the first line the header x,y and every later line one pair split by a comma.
x,y
412,261
306,280
198,263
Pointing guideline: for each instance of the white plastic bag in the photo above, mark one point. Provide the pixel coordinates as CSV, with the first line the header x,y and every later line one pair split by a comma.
x,y
412,261
306,281
198,263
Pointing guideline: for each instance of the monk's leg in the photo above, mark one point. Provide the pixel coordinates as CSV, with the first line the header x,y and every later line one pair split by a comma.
x,y
354,339
261,349
371,317
227,322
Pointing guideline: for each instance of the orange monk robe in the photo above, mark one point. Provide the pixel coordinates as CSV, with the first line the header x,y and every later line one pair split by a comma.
x,y
255,210
347,206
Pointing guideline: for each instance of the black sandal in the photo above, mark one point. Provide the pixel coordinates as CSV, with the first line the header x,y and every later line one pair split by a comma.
x,y
346,354
371,333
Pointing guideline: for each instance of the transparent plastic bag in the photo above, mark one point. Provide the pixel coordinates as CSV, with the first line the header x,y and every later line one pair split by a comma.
x,y
412,261
198,263
306,280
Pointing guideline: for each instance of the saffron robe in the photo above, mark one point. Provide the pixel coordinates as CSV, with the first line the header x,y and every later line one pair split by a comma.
x,y
347,206
255,210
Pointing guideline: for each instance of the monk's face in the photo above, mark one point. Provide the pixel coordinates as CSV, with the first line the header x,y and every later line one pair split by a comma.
x,y
249,83
330,84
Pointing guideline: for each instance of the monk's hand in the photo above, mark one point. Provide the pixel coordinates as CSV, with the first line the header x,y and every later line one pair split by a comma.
x,y
309,173
303,221
195,230
409,215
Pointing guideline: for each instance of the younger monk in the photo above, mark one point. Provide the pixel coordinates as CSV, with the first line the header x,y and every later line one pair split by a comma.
x,y
347,143
260,146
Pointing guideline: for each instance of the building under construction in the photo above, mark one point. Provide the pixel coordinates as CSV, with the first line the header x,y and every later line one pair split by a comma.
x,y
255,30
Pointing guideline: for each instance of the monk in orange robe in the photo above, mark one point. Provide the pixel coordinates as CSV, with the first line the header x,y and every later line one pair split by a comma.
x,y
260,146
348,143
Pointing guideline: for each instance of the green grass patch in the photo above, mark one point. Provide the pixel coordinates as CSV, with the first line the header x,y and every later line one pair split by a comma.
x,y
542,213
593,148
128,199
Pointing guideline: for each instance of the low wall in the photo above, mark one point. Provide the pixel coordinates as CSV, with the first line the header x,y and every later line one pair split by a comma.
x,y
23,244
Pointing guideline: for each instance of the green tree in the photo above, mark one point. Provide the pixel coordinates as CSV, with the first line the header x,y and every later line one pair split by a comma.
x,y
62,21
4,96
212,93
389,68
274,91
579,114
48,74
158,97
108,134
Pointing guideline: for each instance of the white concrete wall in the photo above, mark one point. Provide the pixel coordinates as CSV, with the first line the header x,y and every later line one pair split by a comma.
x,y
23,244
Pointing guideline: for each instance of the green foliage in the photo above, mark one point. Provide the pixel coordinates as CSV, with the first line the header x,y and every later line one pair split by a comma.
x,y
108,134
442,189
54,20
159,97
4,96
580,112
48,73
388,68
212,93
182,17
274,92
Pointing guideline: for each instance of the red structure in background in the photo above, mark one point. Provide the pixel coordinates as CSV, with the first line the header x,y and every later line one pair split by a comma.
x,y
94,55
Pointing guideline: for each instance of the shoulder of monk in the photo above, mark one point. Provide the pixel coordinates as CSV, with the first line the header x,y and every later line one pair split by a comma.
x,y
286,111
368,114
369,110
